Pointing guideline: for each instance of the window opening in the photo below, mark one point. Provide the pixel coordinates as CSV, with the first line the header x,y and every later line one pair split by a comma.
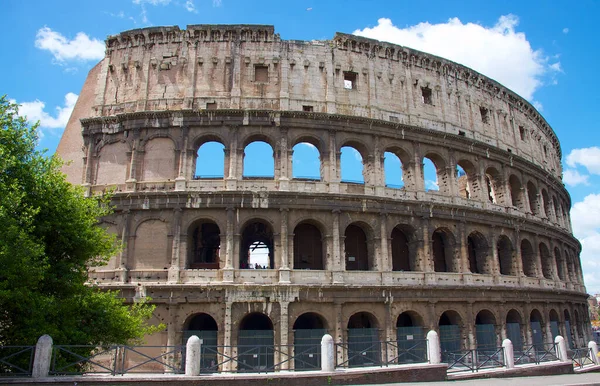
x,y
485,116
210,161
356,250
426,96
464,188
308,109
211,106
205,246
257,249
528,256
306,162
400,251
430,175
392,167
505,256
308,247
261,73
350,80
351,163
258,160
522,133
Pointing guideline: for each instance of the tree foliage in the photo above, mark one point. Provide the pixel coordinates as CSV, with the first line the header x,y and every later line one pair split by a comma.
x,y
49,235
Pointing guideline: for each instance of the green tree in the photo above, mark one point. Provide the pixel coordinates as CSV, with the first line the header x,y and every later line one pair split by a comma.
x,y
49,235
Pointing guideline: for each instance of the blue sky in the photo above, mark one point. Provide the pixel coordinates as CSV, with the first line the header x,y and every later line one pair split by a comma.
x,y
547,51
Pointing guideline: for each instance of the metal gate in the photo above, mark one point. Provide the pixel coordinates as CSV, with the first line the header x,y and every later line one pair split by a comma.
x,y
208,357
449,340
513,332
363,347
255,350
537,335
307,348
569,334
554,329
412,347
486,337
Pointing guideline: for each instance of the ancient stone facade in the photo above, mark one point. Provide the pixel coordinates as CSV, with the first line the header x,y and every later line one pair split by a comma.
x,y
491,247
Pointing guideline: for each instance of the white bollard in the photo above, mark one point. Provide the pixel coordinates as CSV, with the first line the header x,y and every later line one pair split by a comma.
x,y
192,356
434,351
594,346
561,349
43,356
509,354
327,354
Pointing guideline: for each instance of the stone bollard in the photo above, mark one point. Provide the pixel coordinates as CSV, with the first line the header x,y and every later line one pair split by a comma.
x,y
594,347
561,349
509,354
434,351
192,356
327,354
43,356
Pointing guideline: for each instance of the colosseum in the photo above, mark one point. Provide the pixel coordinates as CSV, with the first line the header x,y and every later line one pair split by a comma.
x,y
489,254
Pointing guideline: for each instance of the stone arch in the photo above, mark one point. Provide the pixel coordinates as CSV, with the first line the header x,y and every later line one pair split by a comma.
x,y
443,247
307,146
151,246
404,159
308,246
468,184
554,323
529,259
255,332
404,254
310,320
358,247
479,252
348,153
209,152
113,163
559,264
485,330
546,205
547,262
532,195
514,329
493,182
536,323
450,326
363,337
557,213
256,162
257,235
204,243
442,175
506,256
159,161
516,192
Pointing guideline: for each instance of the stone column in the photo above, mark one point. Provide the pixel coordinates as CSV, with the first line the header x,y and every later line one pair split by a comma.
x,y
493,253
282,161
229,250
470,324
385,263
122,261
284,269
338,262
538,257
227,350
426,255
464,266
284,335
339,331
88,161
175,257
172,328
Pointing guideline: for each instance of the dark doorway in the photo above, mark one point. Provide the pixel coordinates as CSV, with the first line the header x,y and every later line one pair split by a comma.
x,y
205,241
309,329
363,341
308,247
355,246
255,344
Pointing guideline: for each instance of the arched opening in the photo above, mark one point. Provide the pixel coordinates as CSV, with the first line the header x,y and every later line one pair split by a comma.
x,y
255,343
537,332
577,328
204,243
485,331
468,185
431,175
363,340
159,162
516,192
570,267
532,194
547,262
392,168
210,161
356,249
569,330
514,332
257,249
443,247
204,327
308,247
410,335
306,162
401,251
259,162
450,334
478,254
560,264
506,256
309,329
493,184
351,164
554,324
528,258
557,214
546,203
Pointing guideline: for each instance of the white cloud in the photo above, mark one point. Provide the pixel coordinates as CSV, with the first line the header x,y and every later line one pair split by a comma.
x,y
310,145
588,157
565,30
499,52
80,48
152,2
572,177
217,3
190,6
431,185
538,105
585,216
35,111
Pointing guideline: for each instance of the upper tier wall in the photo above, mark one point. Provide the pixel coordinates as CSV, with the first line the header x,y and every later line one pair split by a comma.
x,y
250,67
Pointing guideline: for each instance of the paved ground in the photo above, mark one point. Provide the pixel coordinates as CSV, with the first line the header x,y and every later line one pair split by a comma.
x,y
551,380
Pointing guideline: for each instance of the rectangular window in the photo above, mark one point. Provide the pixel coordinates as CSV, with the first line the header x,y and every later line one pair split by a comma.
x,y
308,109
211,106
426,96
485,116
261,73
350,80
522,133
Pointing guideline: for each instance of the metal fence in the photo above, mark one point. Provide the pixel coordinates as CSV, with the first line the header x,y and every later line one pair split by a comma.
x,y
536,353
475,360
16,360
581,357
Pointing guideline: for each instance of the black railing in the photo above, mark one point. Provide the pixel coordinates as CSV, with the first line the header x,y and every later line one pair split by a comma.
x,y
16,360
581,357
536,353
475,360
209,177
405,352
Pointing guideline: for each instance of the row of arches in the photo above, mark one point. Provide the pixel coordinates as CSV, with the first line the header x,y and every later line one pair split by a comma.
x,y
363,332
309,250
354,162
